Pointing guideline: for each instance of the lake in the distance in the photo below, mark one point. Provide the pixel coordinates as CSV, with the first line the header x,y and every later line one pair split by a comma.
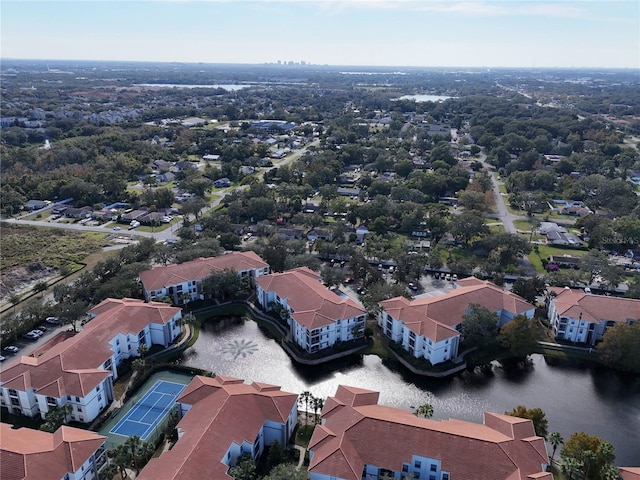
x,y
424,98
574,398
230,88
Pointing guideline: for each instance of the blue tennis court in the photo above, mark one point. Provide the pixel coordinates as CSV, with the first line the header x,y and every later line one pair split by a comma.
x,y
149,411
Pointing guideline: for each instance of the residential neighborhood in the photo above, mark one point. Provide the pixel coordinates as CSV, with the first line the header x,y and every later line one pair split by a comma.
x,y
310,274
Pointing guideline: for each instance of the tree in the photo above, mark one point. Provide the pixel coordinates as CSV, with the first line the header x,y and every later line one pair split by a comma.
x,y
56,417
224,285
244,469
276,454
287,471
317,403
619,346
529,289
467,225
425,410
108,471
138,452
479,326
536,415
40,287
143,349
556,440
472,200
332,277
306,398
138,364
15,300
591,453
520,336
193,207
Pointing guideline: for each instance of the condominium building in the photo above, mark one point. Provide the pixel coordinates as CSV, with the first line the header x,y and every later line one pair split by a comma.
x,y
224,418
430,327
582,317
80,370
317,317
361,440
67,454
182,282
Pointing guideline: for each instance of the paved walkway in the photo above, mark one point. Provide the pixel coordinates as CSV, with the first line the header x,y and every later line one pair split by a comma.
x,y
303,452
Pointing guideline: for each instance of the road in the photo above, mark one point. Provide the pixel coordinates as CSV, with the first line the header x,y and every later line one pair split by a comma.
x,y
504,215
161,235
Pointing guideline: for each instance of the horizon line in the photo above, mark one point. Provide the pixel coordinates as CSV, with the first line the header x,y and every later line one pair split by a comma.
x,y
310,64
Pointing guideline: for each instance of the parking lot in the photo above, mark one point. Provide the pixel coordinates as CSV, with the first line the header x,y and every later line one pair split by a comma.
x,y
26,346
428,286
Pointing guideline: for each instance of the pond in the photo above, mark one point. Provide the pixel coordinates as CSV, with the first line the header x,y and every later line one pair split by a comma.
x,y
575,397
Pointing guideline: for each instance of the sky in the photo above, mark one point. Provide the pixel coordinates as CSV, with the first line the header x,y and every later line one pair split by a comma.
x,y
429,33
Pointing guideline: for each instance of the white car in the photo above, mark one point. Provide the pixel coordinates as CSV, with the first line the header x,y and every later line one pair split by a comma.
x,y
2,359
11,349
52,320
116,229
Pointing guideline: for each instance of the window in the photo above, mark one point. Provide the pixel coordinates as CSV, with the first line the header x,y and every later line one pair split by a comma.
x,y
13,393
51,401
99,397
432,477
417,464
77,399
69,397
445,476
434,467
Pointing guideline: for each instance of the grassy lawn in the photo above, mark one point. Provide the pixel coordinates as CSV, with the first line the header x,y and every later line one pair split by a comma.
x,y
497,228
522,224
545,251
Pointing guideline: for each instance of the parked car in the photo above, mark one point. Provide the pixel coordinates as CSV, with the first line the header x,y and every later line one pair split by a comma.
x,y
448,277
52,320
117,229
11,349
437,275
38,332
454,277
2,359
42,328
413,287
30,336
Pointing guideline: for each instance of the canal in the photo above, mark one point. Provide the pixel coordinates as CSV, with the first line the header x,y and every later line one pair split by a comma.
x,y
575,397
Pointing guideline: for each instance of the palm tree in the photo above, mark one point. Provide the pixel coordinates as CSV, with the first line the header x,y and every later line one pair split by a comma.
x,y
318,403
306,398
425,410
571,466
556,440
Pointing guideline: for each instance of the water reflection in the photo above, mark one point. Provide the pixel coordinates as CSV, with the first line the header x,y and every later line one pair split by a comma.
x,y
574,396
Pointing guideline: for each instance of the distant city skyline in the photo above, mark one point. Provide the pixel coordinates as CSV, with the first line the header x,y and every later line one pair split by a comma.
x,y
421,33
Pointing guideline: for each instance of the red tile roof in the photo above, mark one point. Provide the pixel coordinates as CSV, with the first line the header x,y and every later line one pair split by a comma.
x,y
223,410
27,454
356,431
436,317
313,304
630,473
160,277
69,367
594,308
